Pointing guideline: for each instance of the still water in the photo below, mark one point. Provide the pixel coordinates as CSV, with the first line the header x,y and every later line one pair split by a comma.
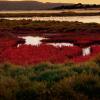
x,y
54,11
84,19
36,41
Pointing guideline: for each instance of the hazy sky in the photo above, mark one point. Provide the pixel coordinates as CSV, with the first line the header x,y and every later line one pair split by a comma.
x,y
67,1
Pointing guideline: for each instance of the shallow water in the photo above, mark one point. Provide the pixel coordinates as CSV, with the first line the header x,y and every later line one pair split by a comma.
x,y
84,19
86,51
36,41
54,11
30,40
61,44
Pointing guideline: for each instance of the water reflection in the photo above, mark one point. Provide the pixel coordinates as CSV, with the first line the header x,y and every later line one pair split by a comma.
x,y
84,19
53,11
86,51
61,44
30,40
36,41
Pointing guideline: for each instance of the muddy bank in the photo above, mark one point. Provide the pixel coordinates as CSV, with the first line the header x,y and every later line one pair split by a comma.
x,y
13,27
45,33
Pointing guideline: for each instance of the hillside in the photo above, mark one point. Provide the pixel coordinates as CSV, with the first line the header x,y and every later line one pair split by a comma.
x,y
27,5
77,6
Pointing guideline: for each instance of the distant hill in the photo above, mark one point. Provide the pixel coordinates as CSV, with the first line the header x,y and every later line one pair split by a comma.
x,y
35,5
28,5
77,6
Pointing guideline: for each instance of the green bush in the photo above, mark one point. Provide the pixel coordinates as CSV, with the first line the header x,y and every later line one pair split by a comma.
x,y
50,81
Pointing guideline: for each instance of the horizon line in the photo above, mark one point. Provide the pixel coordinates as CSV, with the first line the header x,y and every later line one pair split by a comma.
x,y
45,2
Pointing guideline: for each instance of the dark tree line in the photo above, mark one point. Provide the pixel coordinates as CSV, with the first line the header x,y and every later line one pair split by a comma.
x,y
78,6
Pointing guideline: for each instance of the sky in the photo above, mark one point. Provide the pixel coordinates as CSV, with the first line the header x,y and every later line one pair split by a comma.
x,y
63,1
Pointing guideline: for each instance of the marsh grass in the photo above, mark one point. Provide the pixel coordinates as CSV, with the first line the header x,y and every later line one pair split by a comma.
x,y
49,26
50,81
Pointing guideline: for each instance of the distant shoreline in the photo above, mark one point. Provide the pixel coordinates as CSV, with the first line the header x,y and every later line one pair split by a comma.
x,y
49,13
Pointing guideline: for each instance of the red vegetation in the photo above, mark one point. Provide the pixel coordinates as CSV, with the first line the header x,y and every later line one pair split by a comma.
x,y
79,41
95,50
82,59
5,43
32,54
27,54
